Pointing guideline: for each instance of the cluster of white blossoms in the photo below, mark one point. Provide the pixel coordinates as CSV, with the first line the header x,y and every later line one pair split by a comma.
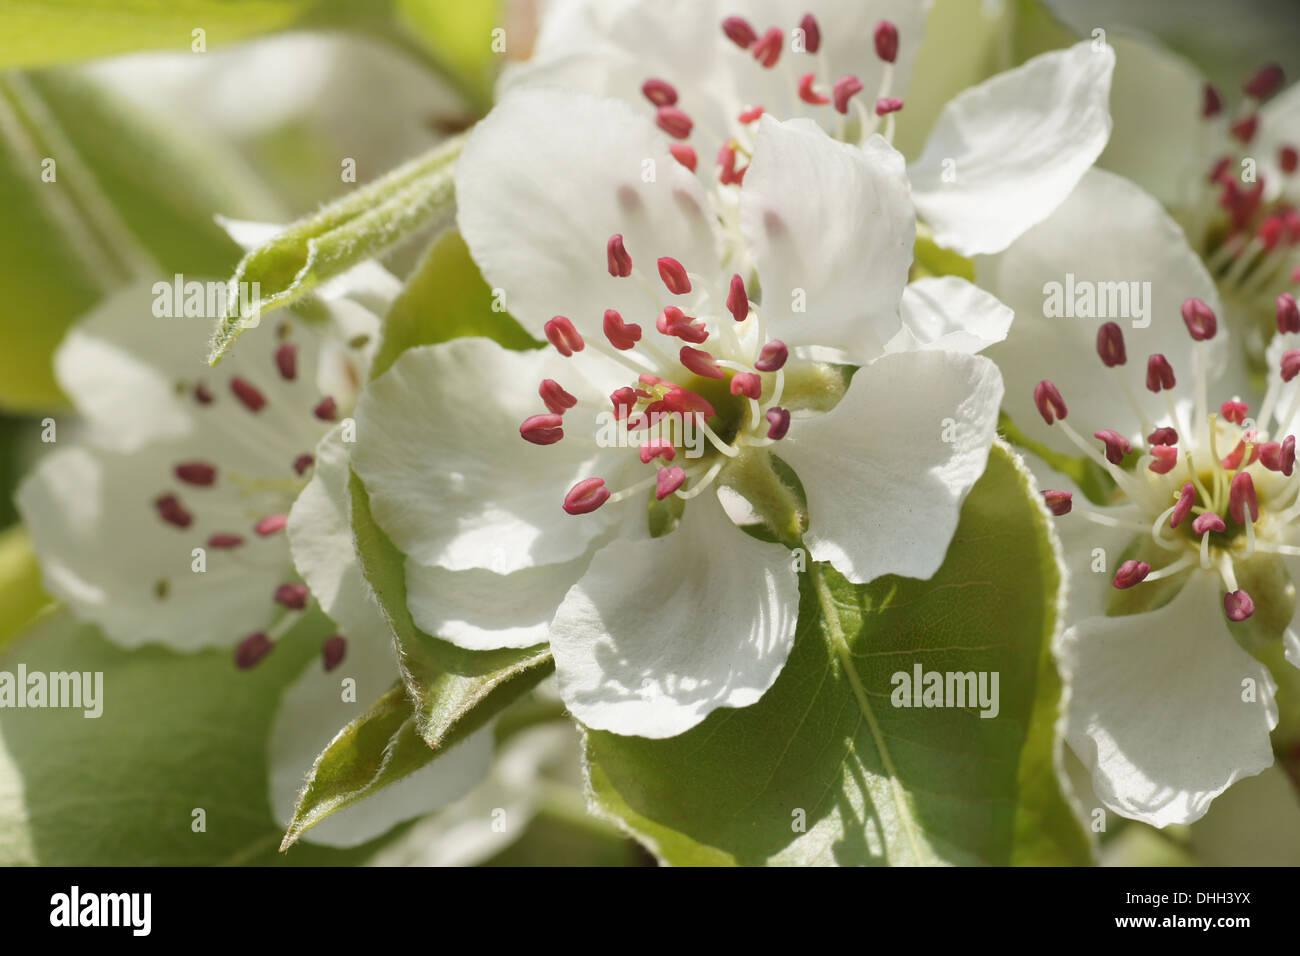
x,y
697,211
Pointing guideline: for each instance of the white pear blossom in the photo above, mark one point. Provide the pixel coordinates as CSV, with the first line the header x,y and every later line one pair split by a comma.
x,y
172,522
1001,156
1192,560
585,525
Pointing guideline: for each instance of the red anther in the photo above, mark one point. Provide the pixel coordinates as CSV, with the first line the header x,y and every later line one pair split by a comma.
x,y
1058,503
332,651
302,463
1243,130
1234,411
657,448
682,401
727,165
749,115
1220,169
886,37
739,32
326,409
196,473
1241,495
845,87
542,429
622,399
1163,459
1131,573
251,650
622,335
1288,455
774,355
554,397
1200,319
778,423
673,321
659,92
224,542
1110,345
812,33
1267,80
1233,460
888,104
251,398
617,257
1206,522
1049,401
1163,436
1186,498
674,275
1237,606
674,122
668,480
586,496
738,299
1211,102
292,596
1117,446
808,94
173,512
1288,159
1288,313
748,384
1270,455
685,155
1290,364
561,333
1160,374
1270,232
202,395
286,360
768,48
271,524
700,362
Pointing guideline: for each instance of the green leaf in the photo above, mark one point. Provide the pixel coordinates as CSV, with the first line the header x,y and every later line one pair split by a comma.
x,y
455,691
457,37
1091,478
22,597
413,198
444,299
377,748
871,783
178,733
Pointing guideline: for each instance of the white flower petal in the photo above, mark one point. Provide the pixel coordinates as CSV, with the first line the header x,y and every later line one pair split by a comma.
x,y
658,634
450,479
831,229
886,470
543,183
950,314
313,711
1156,709
1105,237
1017,145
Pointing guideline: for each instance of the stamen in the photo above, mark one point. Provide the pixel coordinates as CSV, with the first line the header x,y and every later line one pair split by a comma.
x,y
1206,522
674,275
700,362
196,473
271,524
1131,573
748,384
812,34
750,115
561,333
1200,319
657,448
778,421
1290,364
292,596
332,651
1288,158
1170,570
684,155
888,104
302,463
623,399
673,321
886,37
251,398
1163,436
772,356
1110,345
286,360
675,122
1164,459
1059,503
844,90
326,410
659,92
1049,401
1242,495
1186,498
1288,314
225,541
668,480
768,48
1117,446
1243,130
617,257
622,335
1238,606
542,429
739,32
202,395
1234,411
808,94
1160,374
1211,103
586,496
251,650
1266,81
556,399
173,512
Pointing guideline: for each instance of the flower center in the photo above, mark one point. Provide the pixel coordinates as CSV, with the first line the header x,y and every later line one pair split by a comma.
x,y
691,405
